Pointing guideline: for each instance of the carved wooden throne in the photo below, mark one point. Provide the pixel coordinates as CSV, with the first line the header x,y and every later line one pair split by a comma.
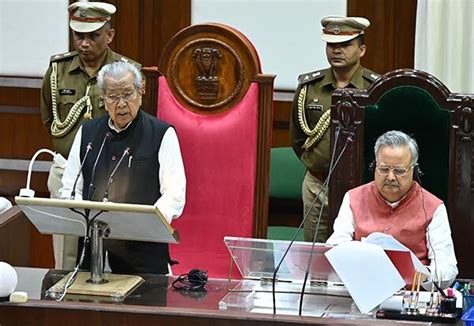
x,y
212,91
442,123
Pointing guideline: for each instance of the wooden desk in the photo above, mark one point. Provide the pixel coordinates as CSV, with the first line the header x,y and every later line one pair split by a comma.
x,y
154,303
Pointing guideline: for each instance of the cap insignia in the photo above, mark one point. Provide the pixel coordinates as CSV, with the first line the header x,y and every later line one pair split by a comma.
x,y
82,13
306,77
336,29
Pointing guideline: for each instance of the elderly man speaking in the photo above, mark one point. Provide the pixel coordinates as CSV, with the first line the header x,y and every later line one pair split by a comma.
x,y
396,204
152,172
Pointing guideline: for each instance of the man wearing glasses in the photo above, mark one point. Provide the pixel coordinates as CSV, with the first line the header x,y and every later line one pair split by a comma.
x,y
145,154
396,204
69,94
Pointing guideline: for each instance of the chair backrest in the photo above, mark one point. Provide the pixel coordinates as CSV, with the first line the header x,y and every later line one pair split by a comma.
x,y
286,174
286,177
442,123
212,91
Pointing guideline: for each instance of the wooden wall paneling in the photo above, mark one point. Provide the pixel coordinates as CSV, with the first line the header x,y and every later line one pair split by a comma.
x,y
144,27
22,134
126,22
281,123
150,42
390,38
164,19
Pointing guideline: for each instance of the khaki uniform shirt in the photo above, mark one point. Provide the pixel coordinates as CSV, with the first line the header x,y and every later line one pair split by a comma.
x,y
72,81
320,86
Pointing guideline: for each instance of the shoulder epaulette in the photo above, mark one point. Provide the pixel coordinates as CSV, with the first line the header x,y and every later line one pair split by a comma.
x,y
125,59
61,56
370,75
310,76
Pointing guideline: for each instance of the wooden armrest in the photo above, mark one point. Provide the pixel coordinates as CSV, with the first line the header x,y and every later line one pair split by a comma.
x,y
10,215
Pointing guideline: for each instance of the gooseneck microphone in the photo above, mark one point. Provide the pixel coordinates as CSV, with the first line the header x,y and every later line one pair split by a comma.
x,y
332,166
90,192
88,149
111,178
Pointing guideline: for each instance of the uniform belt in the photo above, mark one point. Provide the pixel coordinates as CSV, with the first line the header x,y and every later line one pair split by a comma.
x,y
321,176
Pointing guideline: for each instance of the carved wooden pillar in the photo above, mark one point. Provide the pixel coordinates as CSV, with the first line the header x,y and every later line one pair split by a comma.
x,y
461,193
346,121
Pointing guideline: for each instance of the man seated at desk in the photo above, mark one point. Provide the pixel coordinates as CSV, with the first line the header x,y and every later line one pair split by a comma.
x,y
150,173
396,204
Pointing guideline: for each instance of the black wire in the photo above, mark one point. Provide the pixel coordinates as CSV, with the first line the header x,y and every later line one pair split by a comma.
x,y
94,217
195,280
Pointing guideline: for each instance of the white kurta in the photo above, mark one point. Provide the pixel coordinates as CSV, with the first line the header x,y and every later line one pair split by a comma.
x,y
438,237
171,174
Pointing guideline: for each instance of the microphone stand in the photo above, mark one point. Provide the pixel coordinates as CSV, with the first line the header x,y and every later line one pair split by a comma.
x,y
332,166
111,178
326,182
90,192
88,149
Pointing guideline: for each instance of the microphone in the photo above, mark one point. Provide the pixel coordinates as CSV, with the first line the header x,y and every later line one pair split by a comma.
x,y
88,149
111,178
90,192
332,166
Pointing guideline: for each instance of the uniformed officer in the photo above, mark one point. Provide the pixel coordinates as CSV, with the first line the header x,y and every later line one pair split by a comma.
x,y
69,93
345,45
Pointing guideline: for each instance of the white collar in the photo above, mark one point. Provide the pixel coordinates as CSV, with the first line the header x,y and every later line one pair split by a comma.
x,y
114,128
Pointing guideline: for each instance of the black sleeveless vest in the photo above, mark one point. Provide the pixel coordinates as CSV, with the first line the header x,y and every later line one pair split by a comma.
x,y
136,181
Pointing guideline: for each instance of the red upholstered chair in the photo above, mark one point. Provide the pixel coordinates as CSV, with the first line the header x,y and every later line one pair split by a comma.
x,y
212,91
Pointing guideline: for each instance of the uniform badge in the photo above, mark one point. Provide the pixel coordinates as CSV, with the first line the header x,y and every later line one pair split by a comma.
x,y
67,91
315,106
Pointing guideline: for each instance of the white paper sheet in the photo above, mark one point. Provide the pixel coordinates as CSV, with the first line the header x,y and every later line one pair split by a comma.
x,y
367,272
387,241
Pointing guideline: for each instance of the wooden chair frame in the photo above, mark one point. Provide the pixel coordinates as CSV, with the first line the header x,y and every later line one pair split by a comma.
x,y
348,115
